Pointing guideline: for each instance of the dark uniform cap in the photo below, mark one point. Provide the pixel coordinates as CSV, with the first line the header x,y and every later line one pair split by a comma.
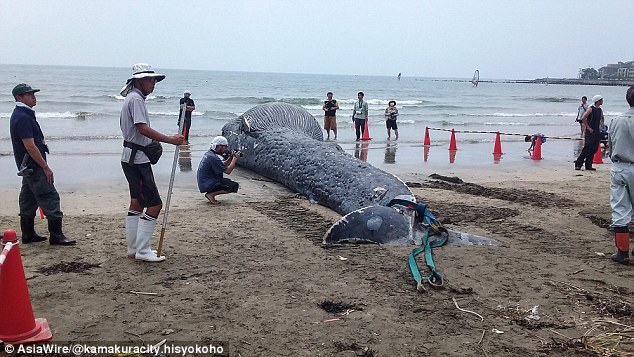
x,y
23,88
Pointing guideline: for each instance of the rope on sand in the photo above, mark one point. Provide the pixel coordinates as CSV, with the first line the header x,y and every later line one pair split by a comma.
x,y
495,132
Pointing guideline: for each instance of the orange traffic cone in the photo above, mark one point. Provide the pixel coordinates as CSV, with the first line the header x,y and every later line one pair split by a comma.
x,y
497,148
427,141
537,151
366,132
41,213
598,157
452,143
17,325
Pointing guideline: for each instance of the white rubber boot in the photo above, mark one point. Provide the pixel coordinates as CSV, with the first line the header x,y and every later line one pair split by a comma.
x,y
131,227
143,237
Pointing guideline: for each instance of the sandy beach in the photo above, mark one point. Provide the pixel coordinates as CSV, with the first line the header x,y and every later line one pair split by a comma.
x,y
252,275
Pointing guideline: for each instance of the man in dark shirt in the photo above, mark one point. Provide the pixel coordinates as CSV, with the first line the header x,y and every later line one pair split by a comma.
x,y
190,107
29,150
593,121
330,115
212,167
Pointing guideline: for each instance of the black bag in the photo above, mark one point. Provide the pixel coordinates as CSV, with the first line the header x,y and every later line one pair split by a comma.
x,y
153,151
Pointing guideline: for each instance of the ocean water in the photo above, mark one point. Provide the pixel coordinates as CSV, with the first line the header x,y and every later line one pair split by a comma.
x,y
78,107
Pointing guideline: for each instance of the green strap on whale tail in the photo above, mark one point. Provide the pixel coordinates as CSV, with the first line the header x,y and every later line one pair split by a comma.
x,y
424,216
434,278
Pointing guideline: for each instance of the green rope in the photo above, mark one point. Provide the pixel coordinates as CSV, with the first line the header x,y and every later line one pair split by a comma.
x,y
424,216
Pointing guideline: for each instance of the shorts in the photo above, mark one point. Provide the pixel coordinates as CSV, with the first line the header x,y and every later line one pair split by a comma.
x,y
225,185
330,123
141,183
391,124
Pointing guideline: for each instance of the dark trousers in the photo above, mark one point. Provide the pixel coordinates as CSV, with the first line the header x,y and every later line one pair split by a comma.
x,y
590,147
36,191
359,127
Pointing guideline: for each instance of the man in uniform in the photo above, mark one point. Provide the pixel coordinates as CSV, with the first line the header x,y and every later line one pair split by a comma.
x,y
29,150
621,137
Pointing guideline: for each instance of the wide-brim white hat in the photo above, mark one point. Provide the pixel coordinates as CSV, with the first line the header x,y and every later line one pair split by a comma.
x,y
140,70
596,98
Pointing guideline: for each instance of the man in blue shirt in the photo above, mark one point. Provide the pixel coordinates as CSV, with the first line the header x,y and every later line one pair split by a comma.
x,y
212,167
29,150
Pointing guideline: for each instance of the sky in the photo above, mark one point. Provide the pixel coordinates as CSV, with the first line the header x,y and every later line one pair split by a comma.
x,y
503,39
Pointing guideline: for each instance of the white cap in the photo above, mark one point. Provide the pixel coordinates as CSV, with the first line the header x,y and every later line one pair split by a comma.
x,y
596,98
219,140
188,92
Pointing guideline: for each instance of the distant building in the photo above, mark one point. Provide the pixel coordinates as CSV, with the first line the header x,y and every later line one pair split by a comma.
x,y
618,71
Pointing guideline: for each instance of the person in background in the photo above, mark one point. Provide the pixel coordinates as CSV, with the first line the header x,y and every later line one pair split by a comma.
x,y
29,151
189,108
136,130
533,140
580,111
621,138
330,117
360,115
212,167
391,112
593,121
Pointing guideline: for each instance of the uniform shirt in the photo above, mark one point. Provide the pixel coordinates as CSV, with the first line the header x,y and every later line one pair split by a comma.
x,y
24,125
360,110
210,171
134,112
621,137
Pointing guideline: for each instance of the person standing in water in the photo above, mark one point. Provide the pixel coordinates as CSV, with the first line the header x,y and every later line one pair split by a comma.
x,y
391,112
330,115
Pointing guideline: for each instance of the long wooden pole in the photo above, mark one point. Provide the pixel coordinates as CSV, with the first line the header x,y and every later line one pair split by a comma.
x,y
181,122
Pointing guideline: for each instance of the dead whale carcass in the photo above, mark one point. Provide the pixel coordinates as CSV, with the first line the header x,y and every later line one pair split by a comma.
x,y
285,143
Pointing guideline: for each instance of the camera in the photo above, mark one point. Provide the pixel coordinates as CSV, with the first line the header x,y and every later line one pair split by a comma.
x,y
228,154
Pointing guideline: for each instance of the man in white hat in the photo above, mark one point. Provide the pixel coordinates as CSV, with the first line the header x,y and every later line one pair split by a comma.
x,y
137,133
189,108
212,167
593,121
621,137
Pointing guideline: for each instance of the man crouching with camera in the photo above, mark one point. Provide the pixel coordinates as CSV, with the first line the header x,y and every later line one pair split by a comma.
x,y
214,164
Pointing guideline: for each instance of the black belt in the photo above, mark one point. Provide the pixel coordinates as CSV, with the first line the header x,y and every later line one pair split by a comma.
x,y
135,148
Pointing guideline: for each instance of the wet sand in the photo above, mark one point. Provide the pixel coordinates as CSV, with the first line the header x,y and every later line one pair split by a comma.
x,y
252,274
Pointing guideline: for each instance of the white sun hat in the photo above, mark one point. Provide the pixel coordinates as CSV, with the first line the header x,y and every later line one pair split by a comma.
x,y
140,70
597,98
219,140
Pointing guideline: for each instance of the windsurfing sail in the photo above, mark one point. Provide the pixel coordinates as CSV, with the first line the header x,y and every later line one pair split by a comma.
x,y
399,76
476,78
